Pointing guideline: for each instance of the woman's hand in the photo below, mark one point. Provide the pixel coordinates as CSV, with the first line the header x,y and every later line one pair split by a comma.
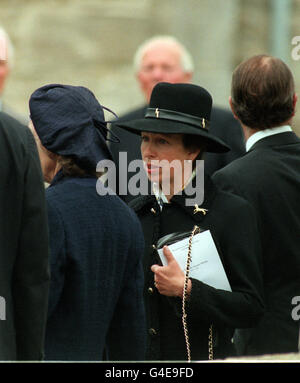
x,y
169,280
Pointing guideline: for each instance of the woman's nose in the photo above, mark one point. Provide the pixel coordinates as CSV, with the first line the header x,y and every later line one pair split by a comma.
x,y
147,150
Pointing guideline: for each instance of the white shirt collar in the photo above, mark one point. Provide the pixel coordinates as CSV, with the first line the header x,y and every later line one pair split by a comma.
x,y
265,133
159,195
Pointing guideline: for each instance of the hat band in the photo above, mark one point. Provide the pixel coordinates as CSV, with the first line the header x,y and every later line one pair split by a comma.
x,y
176,116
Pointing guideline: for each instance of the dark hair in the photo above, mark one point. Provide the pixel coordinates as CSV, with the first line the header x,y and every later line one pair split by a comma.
x,y
262,92
72,169
194,142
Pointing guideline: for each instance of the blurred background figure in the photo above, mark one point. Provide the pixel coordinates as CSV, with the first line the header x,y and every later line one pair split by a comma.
x,y
96,240
6,64
165,59
24,267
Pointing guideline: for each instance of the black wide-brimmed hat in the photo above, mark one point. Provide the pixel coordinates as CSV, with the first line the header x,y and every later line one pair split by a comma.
x,y
178,108
70,122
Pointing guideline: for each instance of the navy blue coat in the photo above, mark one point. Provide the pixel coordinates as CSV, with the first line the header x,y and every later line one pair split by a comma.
x,y
96,274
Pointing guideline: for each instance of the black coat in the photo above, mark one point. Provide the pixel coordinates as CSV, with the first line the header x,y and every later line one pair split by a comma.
x,y
223,125
24,270
233,226
268,176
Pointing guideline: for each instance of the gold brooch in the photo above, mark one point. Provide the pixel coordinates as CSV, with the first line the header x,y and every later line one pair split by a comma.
x,y
156,112
199,210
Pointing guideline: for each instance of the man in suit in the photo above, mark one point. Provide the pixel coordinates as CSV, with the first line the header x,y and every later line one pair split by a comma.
x,y
6,63
263,99
164,59
24,269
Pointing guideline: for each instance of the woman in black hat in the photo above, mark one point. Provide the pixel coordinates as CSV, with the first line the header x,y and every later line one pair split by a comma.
x,y
176,128
95,240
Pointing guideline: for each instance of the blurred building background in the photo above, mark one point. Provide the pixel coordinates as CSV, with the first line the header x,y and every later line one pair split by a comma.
x,y
92,42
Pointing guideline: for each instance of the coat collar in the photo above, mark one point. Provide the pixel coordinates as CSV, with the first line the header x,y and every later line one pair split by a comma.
x,y
276,140
145,203
60,178
260,134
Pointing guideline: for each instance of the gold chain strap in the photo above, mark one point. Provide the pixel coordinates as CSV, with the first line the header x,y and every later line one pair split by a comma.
x,y
210,344
184,315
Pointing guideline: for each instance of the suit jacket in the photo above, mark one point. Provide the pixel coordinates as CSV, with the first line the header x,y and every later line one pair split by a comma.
x,y
96,274
24,269
268,176
223,125
232,223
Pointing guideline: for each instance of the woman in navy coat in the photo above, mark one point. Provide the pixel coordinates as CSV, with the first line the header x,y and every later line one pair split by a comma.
x,y
96,241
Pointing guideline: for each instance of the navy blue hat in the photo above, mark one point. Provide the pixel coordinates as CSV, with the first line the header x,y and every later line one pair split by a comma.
x,y
70,122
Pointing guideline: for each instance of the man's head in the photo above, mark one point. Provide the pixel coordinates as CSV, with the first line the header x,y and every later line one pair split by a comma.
x,y
263,93
6,52
162,59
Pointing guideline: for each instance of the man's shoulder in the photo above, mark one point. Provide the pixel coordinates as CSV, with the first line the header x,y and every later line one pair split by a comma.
x,y
128,141
10,121
17,116
16,134
253,171
220,113
264,154
236,170
228,202
248,160
221,117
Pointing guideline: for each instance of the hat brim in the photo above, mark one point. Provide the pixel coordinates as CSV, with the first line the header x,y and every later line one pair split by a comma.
x,y
154,125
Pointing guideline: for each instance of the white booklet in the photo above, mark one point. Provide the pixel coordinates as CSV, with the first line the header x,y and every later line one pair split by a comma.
x,y
206,265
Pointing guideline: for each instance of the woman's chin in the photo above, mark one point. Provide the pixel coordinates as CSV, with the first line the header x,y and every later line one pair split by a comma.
x,y
153,175
154,179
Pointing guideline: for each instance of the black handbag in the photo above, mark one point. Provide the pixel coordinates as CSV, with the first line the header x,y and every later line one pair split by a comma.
x,y
169,239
